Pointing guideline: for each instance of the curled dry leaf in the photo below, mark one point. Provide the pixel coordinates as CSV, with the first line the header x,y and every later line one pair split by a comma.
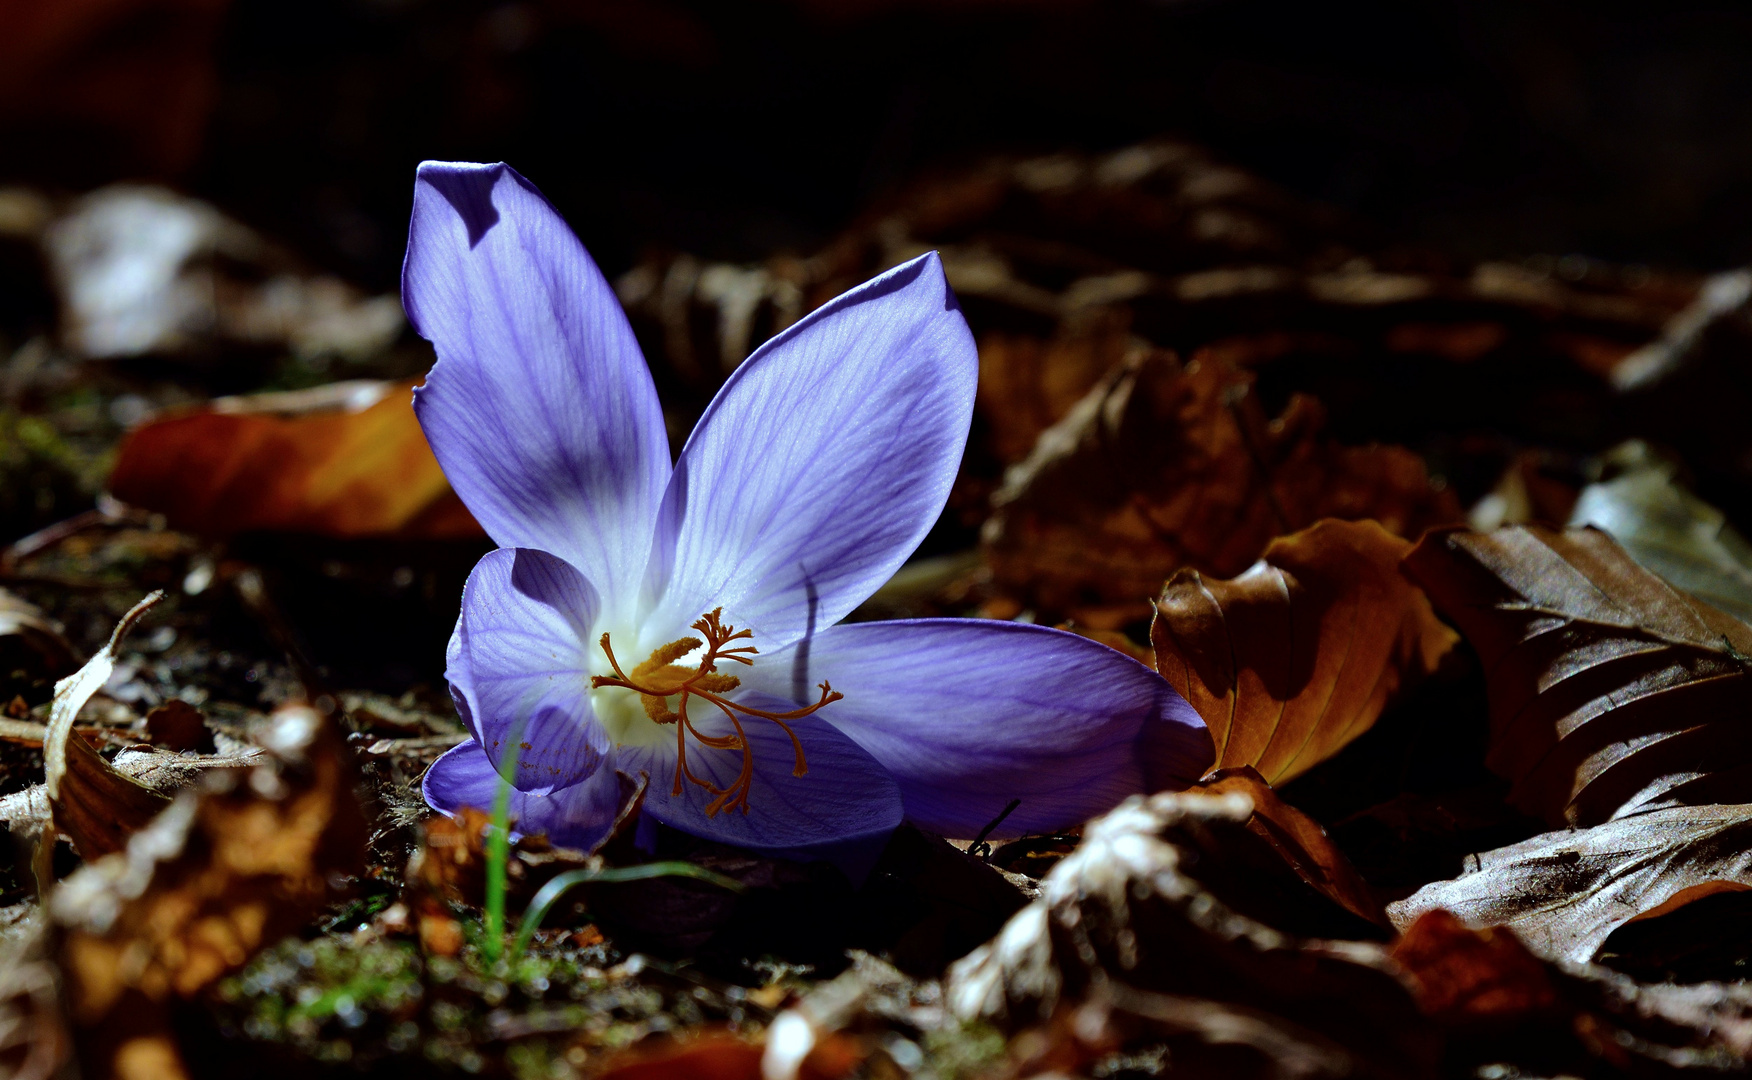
x,y
1610,690
1124,916
30,643
1026,384
1160,467
1669,530
1480,983
92,803
346,460
248,856
1470,978
1565,892
1294,842
177,725
34,1040
1292,660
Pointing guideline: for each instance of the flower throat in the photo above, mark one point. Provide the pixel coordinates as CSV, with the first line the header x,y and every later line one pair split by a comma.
x,y
659,678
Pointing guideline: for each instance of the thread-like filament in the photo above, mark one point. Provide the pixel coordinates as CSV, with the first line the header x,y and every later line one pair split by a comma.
x,y
660,678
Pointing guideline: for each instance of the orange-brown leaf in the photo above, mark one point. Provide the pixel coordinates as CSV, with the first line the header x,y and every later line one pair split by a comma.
x,y
1298,656
350,461
1610,690
1466,977
1299,841
1160,467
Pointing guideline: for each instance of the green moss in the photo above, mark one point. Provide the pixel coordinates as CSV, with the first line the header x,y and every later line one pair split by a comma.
x,y
543,1014
964,1051
43,477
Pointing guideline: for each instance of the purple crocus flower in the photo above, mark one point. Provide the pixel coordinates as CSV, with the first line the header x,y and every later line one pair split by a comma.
x,y
679,621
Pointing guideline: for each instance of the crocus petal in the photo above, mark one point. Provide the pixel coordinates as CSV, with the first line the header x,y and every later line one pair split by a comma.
x,y
456,674
540,409
526,616
968,714
845,802
822,462
579,816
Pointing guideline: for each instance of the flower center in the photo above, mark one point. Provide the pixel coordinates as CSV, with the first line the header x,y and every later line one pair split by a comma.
x,y
660,678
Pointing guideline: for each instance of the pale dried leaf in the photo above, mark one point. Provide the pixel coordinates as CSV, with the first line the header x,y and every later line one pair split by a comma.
x,y
92,803
1563,893
1669,530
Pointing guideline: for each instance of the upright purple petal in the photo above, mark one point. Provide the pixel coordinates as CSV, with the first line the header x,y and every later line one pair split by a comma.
x,y
526,618
579,816
822,463
846,804
969,714
541,408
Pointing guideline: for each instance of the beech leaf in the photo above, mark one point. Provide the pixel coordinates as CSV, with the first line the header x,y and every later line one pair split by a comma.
x,y
41,646
1144,916
1669,530
1293,659
1564,893
1161,466
1300,847
91,802
233,864
346,460
1610,690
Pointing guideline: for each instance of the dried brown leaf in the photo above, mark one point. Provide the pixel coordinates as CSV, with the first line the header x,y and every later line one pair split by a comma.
x,y
35,1043
177,725
1125,917
1465,977
1501,1002
29,641
1565,892
1292,660
701,1055
1160,467
1026,384
350,461
245,858
1298,846
92,803
1610,691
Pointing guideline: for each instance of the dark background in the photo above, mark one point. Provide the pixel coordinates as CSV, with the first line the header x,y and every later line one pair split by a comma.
x,y
738,129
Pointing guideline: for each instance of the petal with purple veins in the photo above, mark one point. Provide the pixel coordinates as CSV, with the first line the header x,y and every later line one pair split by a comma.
x,y
969,714
842,809
541,409
526,616
822,462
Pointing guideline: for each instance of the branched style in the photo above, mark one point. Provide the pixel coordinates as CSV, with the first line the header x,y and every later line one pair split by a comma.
x,y
707,683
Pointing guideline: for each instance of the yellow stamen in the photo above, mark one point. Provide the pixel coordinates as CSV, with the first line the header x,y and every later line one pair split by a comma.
x,y
659,678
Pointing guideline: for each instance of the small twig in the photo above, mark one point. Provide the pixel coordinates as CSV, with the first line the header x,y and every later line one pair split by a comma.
x,y
979,849
108,513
